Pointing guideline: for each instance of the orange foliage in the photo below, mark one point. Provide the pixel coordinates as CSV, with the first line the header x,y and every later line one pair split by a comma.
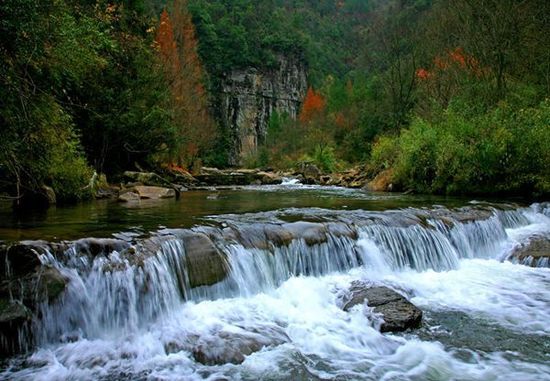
x,y
166,44
457,58
422,74
313,106
177,45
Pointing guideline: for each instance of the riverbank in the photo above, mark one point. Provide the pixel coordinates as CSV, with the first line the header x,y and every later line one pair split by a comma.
x,y
169,183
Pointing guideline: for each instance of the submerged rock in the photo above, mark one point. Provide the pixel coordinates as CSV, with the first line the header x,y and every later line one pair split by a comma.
x,y
398,313
233,347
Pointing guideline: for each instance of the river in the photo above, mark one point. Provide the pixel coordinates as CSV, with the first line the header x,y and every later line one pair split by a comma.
x,y
291,253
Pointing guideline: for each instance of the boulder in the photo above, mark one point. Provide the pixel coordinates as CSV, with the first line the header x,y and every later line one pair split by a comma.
x,y
310,172
398,313
206,265
179,176
154,193
268,178
129,197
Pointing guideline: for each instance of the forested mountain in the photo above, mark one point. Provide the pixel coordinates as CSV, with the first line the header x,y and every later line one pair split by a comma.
x,y
436,96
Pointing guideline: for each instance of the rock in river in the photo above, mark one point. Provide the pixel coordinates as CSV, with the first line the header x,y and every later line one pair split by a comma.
x,y
398,313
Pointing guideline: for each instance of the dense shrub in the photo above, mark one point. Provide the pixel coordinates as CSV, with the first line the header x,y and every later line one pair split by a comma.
x,y
505,150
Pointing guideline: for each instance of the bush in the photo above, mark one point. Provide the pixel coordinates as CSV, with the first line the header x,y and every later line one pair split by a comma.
x,y
502,151
325,159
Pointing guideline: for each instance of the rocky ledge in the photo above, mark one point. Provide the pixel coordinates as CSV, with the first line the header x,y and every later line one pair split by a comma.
x,y
397,312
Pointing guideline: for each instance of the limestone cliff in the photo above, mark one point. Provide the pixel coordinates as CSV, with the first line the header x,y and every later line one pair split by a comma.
x,y
250,96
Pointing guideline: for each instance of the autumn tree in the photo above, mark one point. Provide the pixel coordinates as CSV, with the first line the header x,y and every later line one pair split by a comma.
x,y
313,106
177,47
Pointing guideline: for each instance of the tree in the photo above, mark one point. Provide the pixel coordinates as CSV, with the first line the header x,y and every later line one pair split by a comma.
x,y
177,46
314,105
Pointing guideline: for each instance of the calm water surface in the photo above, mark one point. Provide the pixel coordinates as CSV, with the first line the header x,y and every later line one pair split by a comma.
x,y
103,218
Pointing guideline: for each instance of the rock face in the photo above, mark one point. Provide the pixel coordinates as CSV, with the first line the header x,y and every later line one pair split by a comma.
x,y
249,97
398,313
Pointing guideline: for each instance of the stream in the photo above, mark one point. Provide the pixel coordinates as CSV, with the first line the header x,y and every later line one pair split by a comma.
x,y
272,306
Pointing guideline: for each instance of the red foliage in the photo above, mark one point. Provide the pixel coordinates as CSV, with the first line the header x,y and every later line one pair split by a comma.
x,y
314,104
177,44
422,74
166,43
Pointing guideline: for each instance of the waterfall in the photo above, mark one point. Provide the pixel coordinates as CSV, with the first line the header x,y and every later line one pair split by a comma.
x,y
119,291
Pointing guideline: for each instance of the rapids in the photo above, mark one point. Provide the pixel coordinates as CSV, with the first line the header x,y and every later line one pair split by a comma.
x,y
485,315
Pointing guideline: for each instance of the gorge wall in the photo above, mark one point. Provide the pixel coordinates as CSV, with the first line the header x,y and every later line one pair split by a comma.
x,y
250,96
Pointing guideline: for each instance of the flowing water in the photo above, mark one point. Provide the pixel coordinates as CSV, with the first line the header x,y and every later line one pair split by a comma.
x,y
485,317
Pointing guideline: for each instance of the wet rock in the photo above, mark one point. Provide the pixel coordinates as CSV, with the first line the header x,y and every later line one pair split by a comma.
x,y
13,312
268,178
214,176
278,235
310,172
534,253
325,180
466,214
312,233
205,262
233,347
398,313
15,321
154,193
129,197
50,283
107,192
146,178
99,246
22,258
339,229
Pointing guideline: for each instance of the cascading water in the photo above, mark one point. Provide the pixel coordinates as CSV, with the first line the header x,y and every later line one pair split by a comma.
x,y
135,313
